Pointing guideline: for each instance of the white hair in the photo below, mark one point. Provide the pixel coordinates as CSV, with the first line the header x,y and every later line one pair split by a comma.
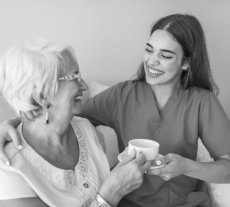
x,y
29,76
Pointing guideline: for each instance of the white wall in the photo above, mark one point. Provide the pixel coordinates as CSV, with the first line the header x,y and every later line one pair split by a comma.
x,y
110,35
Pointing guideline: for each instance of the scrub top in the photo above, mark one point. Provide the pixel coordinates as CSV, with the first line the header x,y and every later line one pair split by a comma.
x,y
130,108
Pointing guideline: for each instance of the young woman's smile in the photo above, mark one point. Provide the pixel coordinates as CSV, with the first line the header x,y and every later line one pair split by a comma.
x,y
154,73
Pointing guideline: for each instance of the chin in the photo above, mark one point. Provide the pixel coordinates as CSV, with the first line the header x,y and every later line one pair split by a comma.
x,y
150,81
76,111
77,107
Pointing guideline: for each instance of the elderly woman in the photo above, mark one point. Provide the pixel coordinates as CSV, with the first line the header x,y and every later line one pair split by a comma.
x,y
62,162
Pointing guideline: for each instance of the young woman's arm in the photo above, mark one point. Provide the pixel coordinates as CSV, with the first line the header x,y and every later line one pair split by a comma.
x,y
8,133
212,172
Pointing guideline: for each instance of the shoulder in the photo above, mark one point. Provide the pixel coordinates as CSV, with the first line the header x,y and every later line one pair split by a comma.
x,y
200,95
131,86
80,122
202,100
84,129
119,91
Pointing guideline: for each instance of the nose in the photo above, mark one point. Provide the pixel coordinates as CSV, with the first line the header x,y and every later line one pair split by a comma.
x,y
153,60
83,85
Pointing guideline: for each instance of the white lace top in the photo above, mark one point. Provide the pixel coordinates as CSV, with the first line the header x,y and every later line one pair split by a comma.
x,y
55,186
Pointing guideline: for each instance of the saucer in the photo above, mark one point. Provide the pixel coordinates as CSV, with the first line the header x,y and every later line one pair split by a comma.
x,y
154,165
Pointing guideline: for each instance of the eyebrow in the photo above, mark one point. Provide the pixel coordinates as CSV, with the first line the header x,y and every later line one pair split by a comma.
x,y
76,72
163,50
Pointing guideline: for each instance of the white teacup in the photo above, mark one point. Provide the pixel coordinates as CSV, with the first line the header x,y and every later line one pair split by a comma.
x,y
148,147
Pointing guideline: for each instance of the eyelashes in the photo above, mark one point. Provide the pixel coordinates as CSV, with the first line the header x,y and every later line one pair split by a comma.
x,y
148,50
161,55
166,57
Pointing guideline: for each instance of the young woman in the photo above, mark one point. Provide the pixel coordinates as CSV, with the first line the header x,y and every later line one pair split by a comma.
x,y
173,101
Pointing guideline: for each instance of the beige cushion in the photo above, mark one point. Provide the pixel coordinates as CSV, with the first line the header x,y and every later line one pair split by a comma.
x,y
111,144
109,135
95,88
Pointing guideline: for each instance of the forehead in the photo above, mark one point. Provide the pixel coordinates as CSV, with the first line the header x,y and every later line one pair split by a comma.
x,y
70,63
161,39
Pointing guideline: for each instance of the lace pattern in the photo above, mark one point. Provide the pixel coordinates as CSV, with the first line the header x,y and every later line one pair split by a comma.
x,y
81,183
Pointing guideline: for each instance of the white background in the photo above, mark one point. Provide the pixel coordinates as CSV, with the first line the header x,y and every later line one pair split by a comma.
x,y
109,36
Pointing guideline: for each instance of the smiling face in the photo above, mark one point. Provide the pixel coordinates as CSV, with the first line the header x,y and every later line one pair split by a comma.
x,y
163,60
67,100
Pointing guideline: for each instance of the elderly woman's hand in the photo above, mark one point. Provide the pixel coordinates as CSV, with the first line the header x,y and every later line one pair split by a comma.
x,y
175,166
124,178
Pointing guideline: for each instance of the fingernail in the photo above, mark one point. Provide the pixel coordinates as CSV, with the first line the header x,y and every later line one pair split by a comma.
x,y
139,154
8,163
158,162
20,147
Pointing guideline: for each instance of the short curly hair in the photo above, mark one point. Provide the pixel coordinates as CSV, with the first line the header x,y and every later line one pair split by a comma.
x,y
29,75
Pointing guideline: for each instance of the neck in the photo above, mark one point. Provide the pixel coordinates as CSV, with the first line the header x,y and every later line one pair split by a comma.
x,y
163,92
55,142
55,131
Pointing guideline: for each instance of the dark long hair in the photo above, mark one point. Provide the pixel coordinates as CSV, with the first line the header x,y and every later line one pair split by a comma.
x,y
188,32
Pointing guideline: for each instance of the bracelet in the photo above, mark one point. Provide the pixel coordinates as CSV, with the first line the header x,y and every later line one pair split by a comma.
x,y
101,201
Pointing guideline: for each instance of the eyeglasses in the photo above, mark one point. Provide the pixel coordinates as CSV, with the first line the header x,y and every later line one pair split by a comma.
x,y
76,75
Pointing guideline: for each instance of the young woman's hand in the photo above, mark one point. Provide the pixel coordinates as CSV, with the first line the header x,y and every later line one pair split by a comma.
x,y
8,133
175,166
124,178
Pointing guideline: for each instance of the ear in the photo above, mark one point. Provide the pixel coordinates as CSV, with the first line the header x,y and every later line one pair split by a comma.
x,y
185,65
45,103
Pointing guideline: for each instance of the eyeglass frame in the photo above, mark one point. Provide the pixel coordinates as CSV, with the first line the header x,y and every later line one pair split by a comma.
x,y
75,75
